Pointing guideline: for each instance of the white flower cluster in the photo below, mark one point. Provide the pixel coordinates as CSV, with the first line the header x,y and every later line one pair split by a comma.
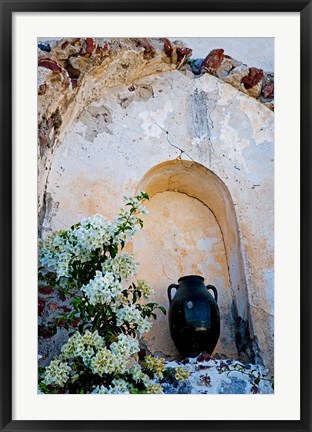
x,y
123,266
62,248
118,386
84,346
155,364
132,315
139,376
57,373
101,360
77,244
181,373
103,289
125,346
154,388
144,326
126,226
136,204
93,232
104,362
128,223
56,254
115,359
145,288
96,356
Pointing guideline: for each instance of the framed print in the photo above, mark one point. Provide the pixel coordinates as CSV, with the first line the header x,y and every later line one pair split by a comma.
x,y
155,216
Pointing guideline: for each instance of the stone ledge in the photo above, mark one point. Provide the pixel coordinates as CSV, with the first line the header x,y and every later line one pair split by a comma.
x,y
210,375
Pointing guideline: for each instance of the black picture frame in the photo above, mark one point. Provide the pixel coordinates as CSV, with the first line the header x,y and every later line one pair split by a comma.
x,y
7,9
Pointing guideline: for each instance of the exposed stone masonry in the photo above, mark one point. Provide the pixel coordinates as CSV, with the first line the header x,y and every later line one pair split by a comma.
x,y
250,80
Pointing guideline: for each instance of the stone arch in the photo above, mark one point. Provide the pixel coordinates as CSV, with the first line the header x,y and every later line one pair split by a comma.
x,y
198,182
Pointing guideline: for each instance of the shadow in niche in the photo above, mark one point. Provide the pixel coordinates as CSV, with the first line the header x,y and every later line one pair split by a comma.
x,y
197,181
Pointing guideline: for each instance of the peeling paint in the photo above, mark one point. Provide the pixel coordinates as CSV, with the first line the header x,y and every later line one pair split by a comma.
x,y
154,121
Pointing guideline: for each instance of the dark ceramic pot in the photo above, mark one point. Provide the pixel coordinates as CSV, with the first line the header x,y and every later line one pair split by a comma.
x,y
194,317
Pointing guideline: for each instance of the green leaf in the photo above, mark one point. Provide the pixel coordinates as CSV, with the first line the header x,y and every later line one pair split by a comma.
x,y
90,309
151,305
145,195
96,322
58,321
162,309
125,293
72,316
134,296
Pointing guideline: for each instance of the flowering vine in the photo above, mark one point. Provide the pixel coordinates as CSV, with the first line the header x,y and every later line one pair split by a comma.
x,y
102,354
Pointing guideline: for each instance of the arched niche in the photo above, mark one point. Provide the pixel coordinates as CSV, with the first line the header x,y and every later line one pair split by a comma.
x,y
201,184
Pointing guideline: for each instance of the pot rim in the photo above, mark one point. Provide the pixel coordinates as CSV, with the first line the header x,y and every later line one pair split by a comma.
x,y
191,276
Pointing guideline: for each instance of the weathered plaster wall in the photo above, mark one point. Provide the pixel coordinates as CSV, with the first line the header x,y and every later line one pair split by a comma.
x,y
223,140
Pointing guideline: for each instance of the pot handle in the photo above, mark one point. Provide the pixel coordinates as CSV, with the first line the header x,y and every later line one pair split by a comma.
x,y
169,291
215,292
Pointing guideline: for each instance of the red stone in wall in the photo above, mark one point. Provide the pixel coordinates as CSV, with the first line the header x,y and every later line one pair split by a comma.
x,y
268,90
90,45
50,64
183,54
253,78
46,290
149,50
168,49
41,306
214,59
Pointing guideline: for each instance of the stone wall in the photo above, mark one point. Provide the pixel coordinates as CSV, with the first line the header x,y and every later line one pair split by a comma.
x,y
118,116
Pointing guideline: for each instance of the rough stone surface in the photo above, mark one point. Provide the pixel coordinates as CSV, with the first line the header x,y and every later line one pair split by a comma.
x,y
233,386
215,376
135,123
252,83
52,335
250,80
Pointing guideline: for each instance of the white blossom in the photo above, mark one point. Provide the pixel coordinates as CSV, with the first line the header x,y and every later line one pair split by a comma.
x,y
145,288
128,313
82,345
125,346
122,266
57,373
103,289
118,386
